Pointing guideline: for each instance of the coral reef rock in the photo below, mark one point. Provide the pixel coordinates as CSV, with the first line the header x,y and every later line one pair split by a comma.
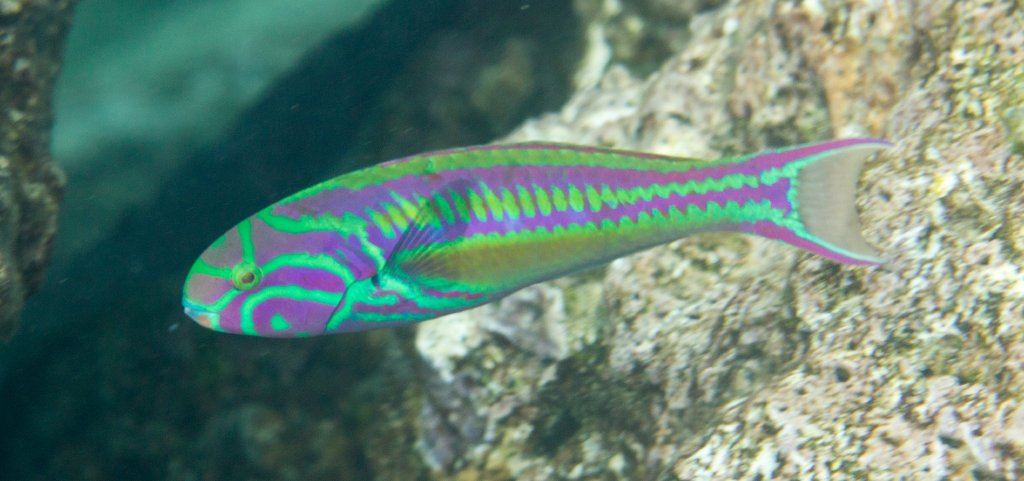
x,y
31,43
731,357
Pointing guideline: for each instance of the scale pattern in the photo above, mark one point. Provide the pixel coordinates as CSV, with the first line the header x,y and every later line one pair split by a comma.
x,y
435,233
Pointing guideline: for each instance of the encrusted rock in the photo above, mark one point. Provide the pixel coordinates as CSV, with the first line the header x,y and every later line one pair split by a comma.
x,y
31,41
730,357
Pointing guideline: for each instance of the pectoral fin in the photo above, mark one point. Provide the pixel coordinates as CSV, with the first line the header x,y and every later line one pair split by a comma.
x,y
422,254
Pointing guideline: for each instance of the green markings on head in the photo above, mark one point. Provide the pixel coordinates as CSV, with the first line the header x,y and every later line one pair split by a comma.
x,y
245,238
360,292
246,276
279,323
203,267
321,262
296,293
347,223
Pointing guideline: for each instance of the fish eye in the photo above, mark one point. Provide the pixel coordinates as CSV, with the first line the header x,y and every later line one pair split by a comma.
x,y
245,276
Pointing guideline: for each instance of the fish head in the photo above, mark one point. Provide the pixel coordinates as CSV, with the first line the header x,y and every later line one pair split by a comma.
x,y
263,280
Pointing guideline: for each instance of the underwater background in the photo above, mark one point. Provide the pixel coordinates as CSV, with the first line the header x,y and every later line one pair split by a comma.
x,y
719,356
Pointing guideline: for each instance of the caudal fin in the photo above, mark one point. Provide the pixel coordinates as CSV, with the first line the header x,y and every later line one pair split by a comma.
x,y
826,201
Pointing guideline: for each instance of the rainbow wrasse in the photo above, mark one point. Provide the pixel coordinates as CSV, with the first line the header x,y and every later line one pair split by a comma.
x,y
435,233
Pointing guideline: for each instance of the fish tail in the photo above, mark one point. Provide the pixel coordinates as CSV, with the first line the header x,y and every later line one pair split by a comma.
x,y
823,180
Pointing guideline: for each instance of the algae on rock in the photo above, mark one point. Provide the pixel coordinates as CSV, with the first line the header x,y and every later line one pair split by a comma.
x,y
31,44
730,357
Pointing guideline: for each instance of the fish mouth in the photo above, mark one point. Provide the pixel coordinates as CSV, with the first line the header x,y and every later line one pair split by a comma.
x,y
205,318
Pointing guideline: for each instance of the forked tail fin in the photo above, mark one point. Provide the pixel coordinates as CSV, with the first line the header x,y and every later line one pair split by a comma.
x,y
823,181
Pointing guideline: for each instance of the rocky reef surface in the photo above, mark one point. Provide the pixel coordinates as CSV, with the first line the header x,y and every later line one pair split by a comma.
x,y
715,357
731,357
31,43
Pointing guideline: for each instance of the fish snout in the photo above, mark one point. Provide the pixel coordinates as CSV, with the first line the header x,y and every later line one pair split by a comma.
x,y
207,319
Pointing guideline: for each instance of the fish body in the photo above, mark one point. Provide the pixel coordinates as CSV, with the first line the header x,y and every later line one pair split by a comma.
x,y
423,236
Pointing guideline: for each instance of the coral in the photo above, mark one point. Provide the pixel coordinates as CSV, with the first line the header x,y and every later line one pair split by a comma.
x,y
31,40
731,357
639,34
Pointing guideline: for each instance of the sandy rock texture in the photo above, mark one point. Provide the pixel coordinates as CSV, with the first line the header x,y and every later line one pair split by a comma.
x,y
31,42
731,357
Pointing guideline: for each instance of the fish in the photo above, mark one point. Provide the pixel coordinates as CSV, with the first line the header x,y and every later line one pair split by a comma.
x,y
419,237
